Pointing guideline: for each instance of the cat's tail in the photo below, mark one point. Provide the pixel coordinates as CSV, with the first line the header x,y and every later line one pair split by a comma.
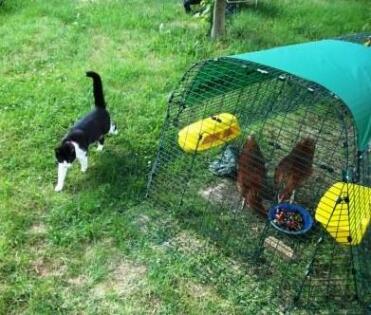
x,y
97,89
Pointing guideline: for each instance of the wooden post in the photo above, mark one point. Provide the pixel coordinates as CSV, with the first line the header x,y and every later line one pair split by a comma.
x,y
218,28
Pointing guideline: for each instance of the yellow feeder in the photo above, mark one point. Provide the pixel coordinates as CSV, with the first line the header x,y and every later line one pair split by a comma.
x,y
344,211
209,132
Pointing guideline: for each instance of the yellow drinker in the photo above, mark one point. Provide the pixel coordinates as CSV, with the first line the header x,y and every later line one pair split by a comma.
x,y
344,211
209,132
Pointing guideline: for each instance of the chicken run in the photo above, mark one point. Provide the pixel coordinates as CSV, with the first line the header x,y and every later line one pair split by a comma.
x,y
288,131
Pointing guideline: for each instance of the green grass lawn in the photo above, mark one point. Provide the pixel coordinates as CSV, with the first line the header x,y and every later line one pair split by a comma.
x,y
97,248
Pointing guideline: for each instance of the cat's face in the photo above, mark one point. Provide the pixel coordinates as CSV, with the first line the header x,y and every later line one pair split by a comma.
x,y
65,153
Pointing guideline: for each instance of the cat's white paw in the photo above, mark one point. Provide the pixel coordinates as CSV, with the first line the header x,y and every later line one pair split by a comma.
x,y
58,188
113,130
100,147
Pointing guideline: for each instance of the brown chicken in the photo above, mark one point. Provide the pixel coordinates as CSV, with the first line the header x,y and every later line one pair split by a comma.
x,y
251,175
295,168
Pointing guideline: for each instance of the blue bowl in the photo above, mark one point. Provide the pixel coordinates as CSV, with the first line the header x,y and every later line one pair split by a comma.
x,y
307,219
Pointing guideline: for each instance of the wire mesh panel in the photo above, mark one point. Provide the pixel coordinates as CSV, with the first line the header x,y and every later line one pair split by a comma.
x,y
301,139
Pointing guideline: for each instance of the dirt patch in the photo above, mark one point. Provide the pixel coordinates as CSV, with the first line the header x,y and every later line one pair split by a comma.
x,y
124,279
78,281
198,290
201,295
142,221
92,250
223,193
45,268
38,229
188,243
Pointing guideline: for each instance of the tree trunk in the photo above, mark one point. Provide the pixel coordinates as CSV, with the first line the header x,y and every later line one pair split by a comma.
x,y
218,27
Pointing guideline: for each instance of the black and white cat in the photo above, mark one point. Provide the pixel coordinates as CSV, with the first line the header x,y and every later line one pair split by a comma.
x,y
92,128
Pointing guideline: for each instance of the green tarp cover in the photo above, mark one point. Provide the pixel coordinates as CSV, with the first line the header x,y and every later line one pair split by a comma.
x,y
342,67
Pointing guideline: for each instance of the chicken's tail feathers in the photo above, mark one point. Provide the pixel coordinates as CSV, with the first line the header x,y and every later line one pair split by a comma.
x,y
255,202
275,178
278,177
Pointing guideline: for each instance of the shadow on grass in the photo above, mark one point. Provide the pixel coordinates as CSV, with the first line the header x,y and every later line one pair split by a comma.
x,y
118,174
96,203
8,7
268,10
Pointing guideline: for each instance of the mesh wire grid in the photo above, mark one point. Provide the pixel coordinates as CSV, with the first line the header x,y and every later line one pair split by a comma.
x,y
280,110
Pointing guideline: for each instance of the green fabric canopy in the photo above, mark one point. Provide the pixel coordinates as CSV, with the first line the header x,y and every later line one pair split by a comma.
x,y
343,68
